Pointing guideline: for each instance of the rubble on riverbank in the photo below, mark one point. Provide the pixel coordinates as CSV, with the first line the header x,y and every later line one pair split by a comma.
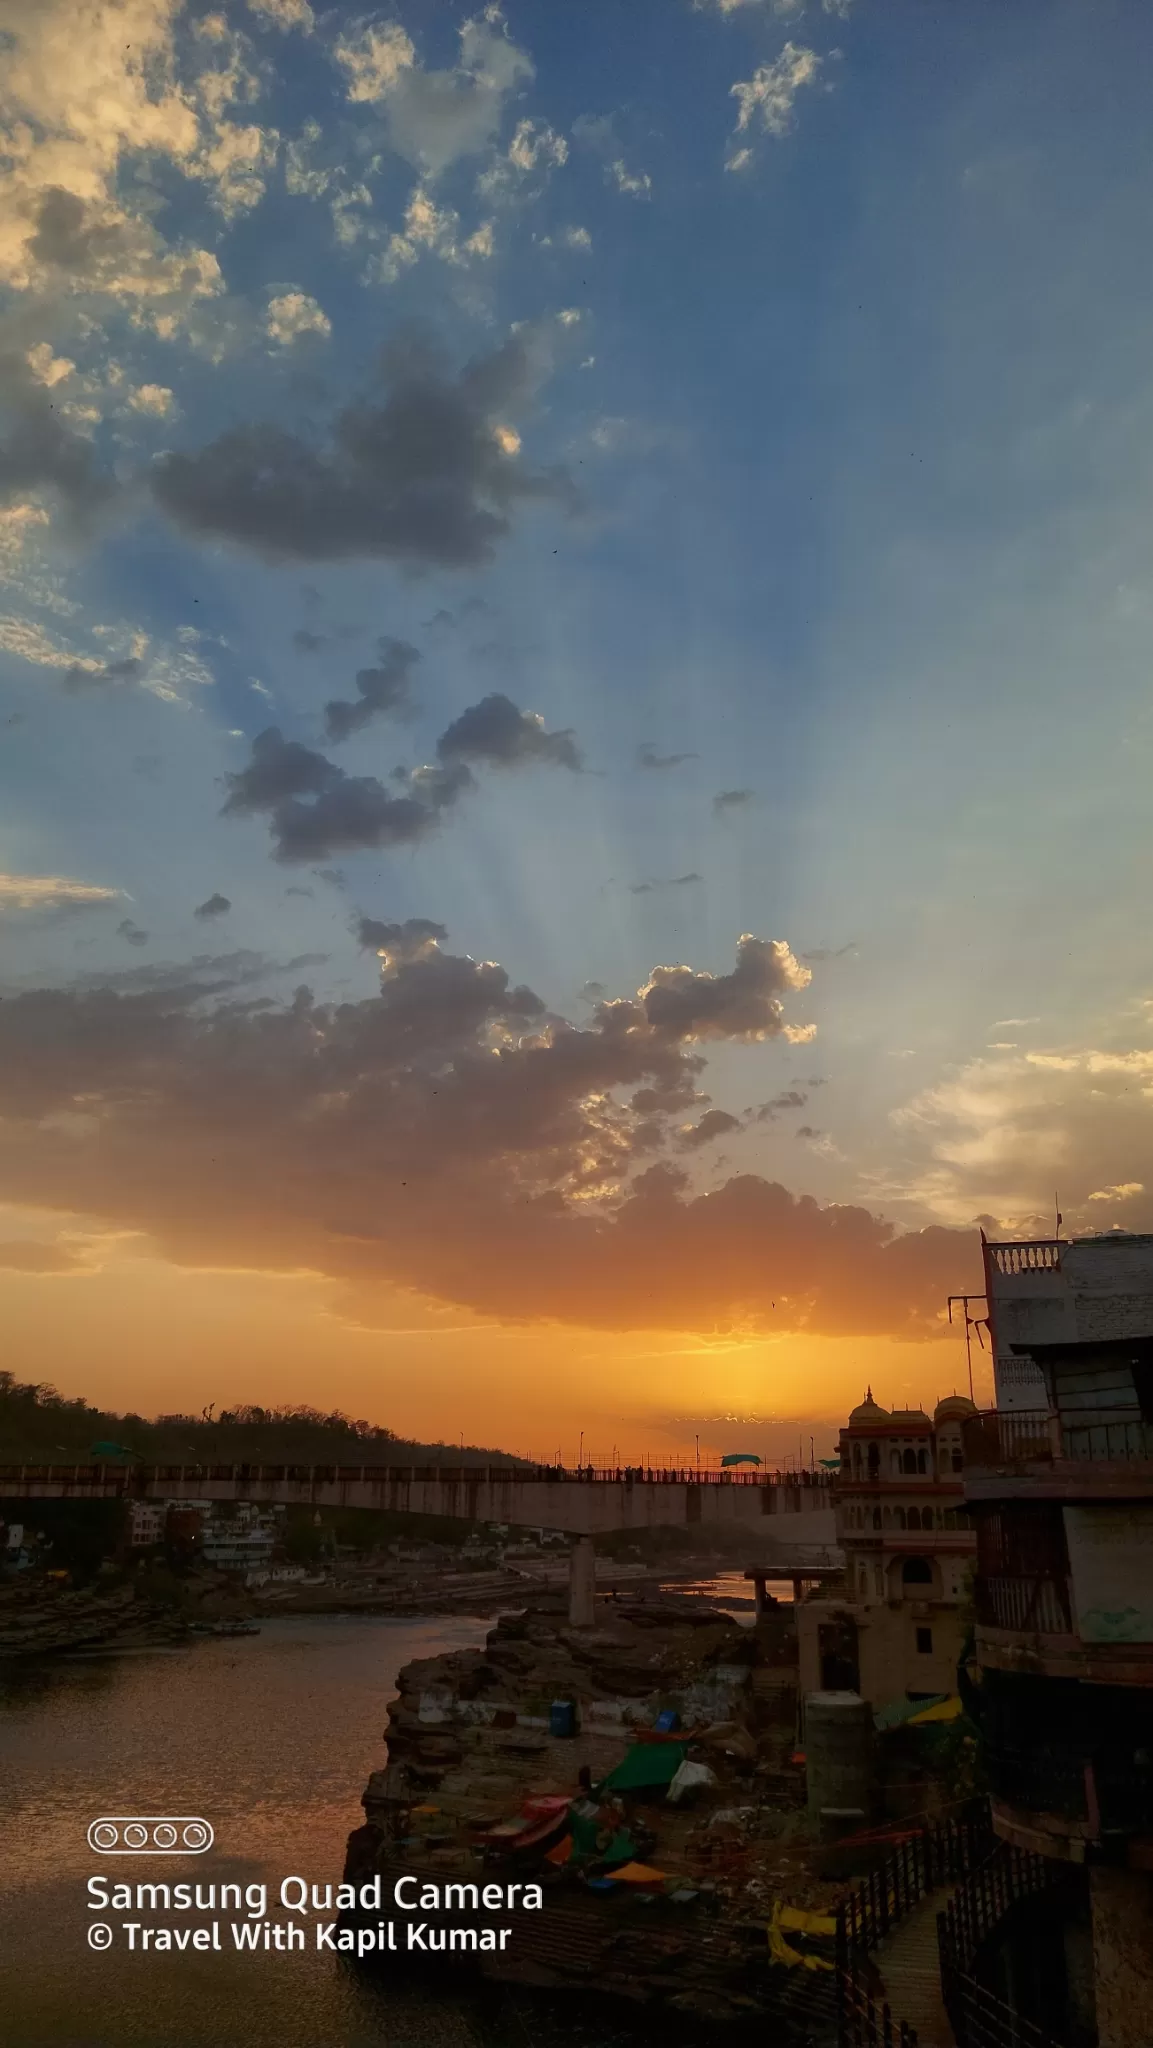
x,y
479,1780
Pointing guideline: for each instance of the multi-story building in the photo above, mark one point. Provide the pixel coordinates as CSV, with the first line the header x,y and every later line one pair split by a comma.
x,y
1059,1482
145,1523
897,1630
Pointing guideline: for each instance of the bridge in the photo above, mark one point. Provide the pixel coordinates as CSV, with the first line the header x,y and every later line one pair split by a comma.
x,y
791,1513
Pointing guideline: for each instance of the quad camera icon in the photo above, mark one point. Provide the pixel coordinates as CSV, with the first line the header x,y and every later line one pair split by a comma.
x,y
157,1834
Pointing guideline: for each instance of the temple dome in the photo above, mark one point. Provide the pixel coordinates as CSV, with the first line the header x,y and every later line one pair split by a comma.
x,y
954,1408
868,1411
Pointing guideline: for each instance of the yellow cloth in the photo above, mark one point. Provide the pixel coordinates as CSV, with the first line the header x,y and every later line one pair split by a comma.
x,y
636,1873
781,1951
799,1922
945,1710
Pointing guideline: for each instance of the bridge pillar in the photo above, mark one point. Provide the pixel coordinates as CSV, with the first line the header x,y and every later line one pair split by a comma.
x,y
582,1583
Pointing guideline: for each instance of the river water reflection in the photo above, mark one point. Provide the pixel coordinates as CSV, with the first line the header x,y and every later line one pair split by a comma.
x,y
272,1739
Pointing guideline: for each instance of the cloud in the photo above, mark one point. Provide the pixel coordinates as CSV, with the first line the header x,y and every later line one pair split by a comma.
x,y
93,92
997,1135
415,939
789,1098
132,932
445,1134
766,99
292,315
51,892
731,800
379,690
498,732
432,230
26,1255
346,812
1123,1193
213,906
41,453
285,14
675,882
745,1004
156,401
419,476
84,675
648,757
715,1123
820,953
433,118
597,133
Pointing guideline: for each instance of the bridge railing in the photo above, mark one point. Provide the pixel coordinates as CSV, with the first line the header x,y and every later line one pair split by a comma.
x,y
129,1478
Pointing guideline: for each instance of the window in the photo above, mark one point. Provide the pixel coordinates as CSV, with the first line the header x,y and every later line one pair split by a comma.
x,y
958,1461
899,1517
877,1517
914,1519
921,1464
909,1461
924,1642
916,1571
874,1461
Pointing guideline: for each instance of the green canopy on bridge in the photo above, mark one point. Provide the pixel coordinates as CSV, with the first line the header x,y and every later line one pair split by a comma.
x,y
741,1458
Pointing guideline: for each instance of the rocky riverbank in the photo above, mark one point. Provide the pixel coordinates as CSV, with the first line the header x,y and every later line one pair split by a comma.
x,y
667,1831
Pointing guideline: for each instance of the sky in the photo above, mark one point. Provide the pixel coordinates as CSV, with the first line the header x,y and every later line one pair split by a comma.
x,y
575,724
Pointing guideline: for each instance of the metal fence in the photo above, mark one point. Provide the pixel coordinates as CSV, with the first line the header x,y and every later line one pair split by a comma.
x,y
978,1907
941,1853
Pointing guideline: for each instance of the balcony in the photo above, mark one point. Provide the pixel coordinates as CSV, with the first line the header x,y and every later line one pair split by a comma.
x,y
1027,1605
1040,1453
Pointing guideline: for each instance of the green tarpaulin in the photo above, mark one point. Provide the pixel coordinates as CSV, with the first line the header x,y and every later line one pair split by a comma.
x,y
645,1764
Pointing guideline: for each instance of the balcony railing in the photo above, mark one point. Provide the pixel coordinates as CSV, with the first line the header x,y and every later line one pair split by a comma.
x,y
1004,1437
1033,1605
1000,1438
1027,1258
1114,1439
1040,1779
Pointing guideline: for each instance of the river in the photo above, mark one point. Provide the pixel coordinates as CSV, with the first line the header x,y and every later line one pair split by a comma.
x,y
271,1738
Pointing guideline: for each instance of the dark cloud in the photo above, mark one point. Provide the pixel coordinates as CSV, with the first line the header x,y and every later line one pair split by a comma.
x,y
149,767
41,453
70,235
445,1134
306,641
78,678
416,475
213,906
819,953
346,812
132,932
648,757
715,1123
674,882
497,731
746,1004
447,620
405,941
732,799
807,1131
379,690
294,890
767,1112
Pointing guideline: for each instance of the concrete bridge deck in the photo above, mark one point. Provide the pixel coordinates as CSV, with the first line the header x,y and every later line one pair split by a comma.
x,y
791,1513
581,1503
